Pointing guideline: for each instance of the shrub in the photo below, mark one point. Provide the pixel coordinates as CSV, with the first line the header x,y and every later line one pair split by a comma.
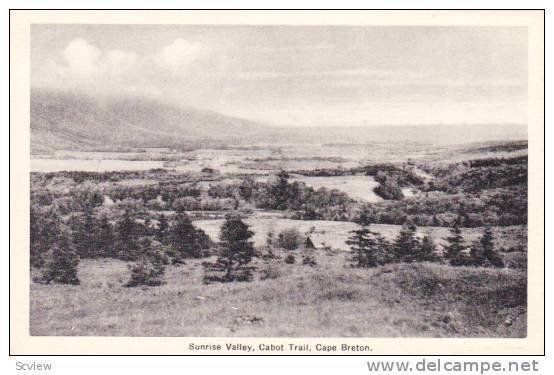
x,y
290,259
290,239
270,239
270,245
309,260
270,272
388,187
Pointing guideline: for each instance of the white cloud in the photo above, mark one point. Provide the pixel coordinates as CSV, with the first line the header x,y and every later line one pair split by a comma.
x,y
86,67
83,66
86,61
81,57
178,55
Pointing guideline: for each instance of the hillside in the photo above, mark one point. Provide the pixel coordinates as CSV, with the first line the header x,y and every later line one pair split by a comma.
x,y
72,121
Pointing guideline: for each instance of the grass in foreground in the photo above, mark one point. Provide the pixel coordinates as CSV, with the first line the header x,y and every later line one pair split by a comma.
x,y
328,300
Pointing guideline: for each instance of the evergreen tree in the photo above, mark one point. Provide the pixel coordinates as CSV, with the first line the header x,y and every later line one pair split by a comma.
x,y
61,262
127,237
476,257
204,241
44,232
150,268
487,242
427,249
454,249
184,239
270,244
406,246
84,231
483,252
363,246
162,232
236,252
105,238
463,217
35,237
369,248
386,254
246,188
280,191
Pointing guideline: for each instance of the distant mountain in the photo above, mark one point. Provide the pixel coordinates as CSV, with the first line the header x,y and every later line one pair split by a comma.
x,y
70,121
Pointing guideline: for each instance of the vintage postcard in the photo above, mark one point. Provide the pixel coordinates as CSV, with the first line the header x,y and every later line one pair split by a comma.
x,y
277,182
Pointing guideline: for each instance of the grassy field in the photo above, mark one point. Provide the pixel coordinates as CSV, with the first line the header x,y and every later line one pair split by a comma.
x,y
327,300
357,187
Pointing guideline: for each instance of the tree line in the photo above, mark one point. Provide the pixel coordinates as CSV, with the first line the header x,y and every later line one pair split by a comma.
x,y
371,249
99,237
57,247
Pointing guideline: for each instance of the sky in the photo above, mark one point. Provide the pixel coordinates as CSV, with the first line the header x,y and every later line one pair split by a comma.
x,y
297,75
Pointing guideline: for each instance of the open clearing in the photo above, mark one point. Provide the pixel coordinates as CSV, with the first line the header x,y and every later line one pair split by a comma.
x,y
357,187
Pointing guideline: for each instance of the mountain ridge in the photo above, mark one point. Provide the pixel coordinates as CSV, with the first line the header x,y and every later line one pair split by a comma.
x,y
73,121
63,120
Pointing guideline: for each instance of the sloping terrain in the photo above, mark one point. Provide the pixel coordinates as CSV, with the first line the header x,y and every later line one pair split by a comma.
x,y
73,121
61,120
328,300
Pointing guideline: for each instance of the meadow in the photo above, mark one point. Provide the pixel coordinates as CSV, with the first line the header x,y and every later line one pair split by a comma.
x,y
357,187
329,300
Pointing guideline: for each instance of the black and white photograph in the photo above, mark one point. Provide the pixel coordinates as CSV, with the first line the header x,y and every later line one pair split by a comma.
x,y
278,181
